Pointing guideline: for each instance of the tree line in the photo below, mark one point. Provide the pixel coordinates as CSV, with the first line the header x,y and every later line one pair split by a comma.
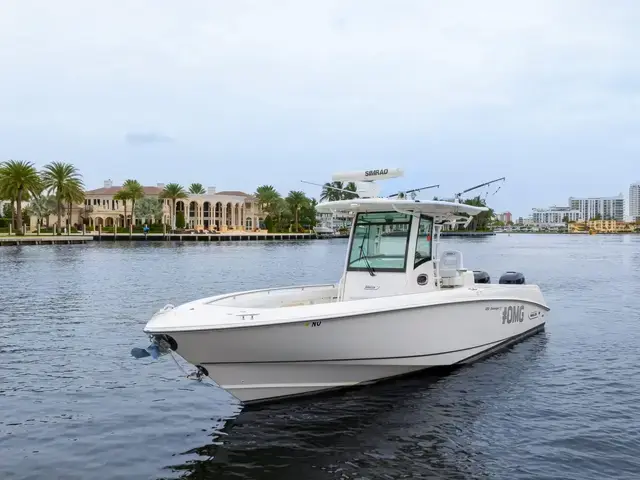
x,y
483,220
58,186
297,210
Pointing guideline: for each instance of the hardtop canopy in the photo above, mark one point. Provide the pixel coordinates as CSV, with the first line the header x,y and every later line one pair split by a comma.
x,y
435,208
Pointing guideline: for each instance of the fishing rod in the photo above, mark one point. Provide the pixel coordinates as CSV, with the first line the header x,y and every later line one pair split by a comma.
x,y
413,191
355,193
459,195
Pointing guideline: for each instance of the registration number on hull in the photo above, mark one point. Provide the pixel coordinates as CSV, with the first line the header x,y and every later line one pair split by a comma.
x,y
512,314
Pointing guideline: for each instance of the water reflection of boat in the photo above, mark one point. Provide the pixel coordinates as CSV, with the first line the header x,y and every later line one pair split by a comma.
x,y
382,428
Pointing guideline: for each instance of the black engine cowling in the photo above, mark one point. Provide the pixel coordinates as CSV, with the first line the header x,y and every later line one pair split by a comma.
x,y
512,278
481,277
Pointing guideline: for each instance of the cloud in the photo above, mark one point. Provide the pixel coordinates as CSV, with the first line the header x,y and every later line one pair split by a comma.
x,y
317,86
146,138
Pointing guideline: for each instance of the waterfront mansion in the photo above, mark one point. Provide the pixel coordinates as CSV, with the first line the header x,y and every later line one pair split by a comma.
x,y
222,211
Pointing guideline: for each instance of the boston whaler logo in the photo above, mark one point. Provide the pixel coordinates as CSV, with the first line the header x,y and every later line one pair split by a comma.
x,y
534,315
370,173
371,287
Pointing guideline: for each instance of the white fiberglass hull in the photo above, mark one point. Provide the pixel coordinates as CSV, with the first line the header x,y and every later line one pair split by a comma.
x,y
258,382
264,361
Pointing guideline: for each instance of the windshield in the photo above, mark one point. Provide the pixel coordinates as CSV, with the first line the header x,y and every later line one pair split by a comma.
x,y
380,242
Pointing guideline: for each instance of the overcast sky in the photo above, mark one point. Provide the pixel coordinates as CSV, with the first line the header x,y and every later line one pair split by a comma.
x,y
235,94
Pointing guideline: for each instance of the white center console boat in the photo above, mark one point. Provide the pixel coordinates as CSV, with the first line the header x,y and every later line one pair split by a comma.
x,y
403,304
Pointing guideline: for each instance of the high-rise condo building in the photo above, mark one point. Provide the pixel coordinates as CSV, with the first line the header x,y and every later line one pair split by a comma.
x,y
555,215
606,208
634,201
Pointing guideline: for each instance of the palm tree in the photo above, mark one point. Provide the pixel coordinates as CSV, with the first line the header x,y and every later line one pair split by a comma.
x,y
65,182
71,196
295,201
268,198
352,188
18,179
329,192
10,195
332,191
479,221
197,189
6,195
135,192
123,196
42,206
309,211
173,191
280,209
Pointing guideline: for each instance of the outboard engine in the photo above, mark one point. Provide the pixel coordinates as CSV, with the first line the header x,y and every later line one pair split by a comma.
x,y
480,276
512,277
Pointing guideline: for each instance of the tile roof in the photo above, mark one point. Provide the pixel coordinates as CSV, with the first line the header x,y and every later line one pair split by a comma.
x,y
158,190
237,193
114,190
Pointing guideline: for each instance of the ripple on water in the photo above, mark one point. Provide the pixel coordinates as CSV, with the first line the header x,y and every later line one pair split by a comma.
x,y
561,405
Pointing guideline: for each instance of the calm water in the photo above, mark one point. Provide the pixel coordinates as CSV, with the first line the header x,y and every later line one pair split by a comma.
x,y
564,404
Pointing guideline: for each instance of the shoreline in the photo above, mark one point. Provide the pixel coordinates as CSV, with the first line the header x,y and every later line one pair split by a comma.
x,y
77,238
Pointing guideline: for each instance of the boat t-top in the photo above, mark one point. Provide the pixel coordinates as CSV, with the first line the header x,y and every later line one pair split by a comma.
x,y
403,304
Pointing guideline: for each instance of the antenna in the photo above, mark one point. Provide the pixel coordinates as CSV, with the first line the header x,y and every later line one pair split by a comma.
x,y
364,180
368,175
458,195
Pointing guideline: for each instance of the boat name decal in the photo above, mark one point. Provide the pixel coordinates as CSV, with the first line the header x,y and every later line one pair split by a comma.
x,y
512,313
313,324
382,171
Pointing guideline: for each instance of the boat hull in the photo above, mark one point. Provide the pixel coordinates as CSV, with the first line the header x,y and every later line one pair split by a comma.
x,y
268,362
271,382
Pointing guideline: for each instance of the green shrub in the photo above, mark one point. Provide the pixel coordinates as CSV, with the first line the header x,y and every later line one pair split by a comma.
x,y
180,221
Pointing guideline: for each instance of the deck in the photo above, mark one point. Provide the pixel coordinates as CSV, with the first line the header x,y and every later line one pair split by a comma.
x,y
10,240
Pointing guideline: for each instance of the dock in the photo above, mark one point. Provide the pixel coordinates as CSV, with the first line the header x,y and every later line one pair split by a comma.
x,y
75,239
151,237
190,237
45,240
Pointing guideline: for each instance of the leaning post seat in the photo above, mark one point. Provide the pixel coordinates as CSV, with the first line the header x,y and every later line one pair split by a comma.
x,y
451,268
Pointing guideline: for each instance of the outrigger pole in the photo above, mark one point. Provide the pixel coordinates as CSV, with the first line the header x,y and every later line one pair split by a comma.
x,y
332,188
413,191
355,193
459,195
